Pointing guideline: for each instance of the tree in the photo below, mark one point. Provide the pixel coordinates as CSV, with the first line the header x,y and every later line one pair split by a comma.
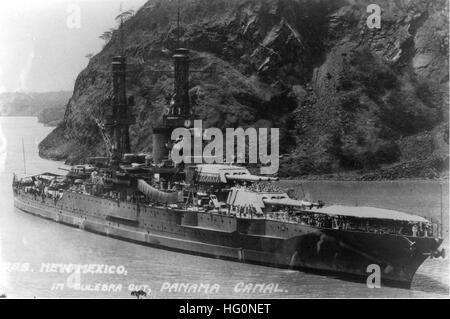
x,y
107,35
124,16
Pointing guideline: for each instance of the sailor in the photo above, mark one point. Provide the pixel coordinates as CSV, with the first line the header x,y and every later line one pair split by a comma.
x,y
414,230
435,229
427,229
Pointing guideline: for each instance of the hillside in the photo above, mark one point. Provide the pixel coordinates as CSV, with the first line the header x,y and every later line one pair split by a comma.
x,y
347,99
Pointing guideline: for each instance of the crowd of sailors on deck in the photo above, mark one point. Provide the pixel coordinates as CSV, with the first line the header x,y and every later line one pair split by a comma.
x,y
416,229
41,191
263,187
338,222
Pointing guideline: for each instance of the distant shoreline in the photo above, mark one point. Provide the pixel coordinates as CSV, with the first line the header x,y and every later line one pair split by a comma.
x,y
30,116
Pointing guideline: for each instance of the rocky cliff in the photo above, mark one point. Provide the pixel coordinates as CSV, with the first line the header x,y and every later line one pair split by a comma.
x,y
347,98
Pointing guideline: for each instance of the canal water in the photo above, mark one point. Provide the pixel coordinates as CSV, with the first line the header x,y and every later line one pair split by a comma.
x,y
37,257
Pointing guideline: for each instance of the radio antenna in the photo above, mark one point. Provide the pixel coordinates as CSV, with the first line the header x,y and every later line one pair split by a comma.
x,y
121,29
23,155
178,25
442,213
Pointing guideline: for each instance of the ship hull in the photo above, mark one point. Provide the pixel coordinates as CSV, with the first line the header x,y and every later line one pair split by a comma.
x,y
346,254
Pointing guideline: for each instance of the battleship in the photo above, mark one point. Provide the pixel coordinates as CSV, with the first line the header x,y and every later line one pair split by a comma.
x,y
219,210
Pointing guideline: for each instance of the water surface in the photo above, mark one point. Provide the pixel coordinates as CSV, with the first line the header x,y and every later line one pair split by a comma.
x,y
30,245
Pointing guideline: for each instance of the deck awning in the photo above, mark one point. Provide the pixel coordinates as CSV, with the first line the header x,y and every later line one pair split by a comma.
x,y
369,212
249,178
287,202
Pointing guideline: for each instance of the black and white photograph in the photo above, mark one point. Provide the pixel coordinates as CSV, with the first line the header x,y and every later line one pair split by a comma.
x,y
224,149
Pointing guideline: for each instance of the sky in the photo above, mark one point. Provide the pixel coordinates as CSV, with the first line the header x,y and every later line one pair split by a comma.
x,y
44,43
